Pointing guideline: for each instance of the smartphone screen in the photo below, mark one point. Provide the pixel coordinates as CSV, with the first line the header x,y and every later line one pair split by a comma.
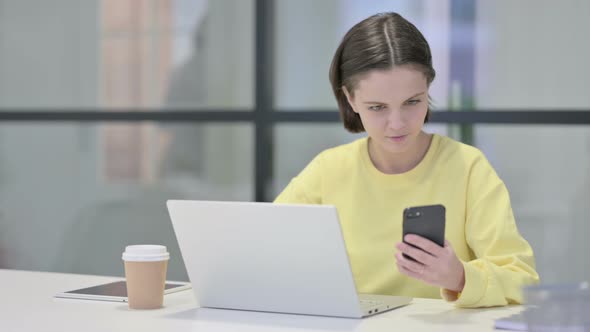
x,y
426,221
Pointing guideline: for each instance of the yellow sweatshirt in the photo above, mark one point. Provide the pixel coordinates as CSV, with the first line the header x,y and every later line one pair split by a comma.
x,y
480,225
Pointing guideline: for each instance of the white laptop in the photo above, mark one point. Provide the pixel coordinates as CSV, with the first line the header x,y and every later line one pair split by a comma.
x,y
270,257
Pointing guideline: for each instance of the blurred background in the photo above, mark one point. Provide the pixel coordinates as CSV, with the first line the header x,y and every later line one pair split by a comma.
x,y
110,107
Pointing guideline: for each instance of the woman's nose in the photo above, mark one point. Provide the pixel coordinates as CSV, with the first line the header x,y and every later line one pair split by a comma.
x,y
395,120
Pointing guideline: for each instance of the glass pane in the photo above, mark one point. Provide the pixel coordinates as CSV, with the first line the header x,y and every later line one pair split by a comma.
x,y
72,196
528,54
305,50
147,54
297,144
487,54
547,171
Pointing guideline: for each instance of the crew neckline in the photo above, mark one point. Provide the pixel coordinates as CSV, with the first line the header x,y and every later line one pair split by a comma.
x,y
409,175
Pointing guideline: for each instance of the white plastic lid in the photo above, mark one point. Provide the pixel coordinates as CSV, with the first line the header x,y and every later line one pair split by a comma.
x,y
145,253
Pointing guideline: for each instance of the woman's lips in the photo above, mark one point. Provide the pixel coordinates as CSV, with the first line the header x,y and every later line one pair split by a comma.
x,y
399,138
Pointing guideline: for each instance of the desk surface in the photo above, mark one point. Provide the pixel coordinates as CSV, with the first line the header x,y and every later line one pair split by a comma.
x,y
27,304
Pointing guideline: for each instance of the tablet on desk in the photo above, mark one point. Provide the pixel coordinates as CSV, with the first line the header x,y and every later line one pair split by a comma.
x,y
115,291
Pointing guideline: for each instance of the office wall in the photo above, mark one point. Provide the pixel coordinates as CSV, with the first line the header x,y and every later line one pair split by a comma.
x,y
69,189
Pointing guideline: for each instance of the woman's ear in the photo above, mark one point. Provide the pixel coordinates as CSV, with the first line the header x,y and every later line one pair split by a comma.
x,y
349,98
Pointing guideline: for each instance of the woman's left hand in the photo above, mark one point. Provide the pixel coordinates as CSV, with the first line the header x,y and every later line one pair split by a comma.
x,y
435,265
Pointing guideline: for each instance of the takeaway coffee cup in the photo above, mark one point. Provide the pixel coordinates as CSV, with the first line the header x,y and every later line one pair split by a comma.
x,y
145,271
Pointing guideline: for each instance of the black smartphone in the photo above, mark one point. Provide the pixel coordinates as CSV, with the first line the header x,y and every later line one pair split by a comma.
x,y
427,221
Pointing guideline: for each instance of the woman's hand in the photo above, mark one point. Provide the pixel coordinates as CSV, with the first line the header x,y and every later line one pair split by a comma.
x,y
434,264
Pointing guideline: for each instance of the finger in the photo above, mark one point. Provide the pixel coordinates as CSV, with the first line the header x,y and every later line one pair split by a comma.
x,y
424,244
409,273
421,273
417,254
409,265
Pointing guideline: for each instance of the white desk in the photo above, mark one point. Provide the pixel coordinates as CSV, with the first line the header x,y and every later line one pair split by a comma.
x,y
27,304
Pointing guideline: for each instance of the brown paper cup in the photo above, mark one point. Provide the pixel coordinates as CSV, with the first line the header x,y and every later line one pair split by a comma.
x,y
146,277
145,284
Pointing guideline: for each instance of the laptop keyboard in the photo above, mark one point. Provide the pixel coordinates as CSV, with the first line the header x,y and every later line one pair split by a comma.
x,y
369,303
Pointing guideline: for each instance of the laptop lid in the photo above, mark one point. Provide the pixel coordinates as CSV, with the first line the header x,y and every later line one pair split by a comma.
x,y
265,257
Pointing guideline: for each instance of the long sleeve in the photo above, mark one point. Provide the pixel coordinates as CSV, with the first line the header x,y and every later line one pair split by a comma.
x,y
504,260
305,188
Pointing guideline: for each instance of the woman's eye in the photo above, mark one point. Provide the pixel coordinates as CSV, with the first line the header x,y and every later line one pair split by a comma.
x,y
376,107
412,102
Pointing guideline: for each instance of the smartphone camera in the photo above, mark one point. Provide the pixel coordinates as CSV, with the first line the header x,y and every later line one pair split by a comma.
x,y
412,214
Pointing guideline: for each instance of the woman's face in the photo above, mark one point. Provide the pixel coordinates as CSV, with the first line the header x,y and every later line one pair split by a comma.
x,y
392,105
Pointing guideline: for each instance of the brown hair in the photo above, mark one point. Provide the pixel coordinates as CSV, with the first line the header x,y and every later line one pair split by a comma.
x,y
378,42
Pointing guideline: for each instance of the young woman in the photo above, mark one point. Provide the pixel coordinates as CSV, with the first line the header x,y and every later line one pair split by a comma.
x,y
380,76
